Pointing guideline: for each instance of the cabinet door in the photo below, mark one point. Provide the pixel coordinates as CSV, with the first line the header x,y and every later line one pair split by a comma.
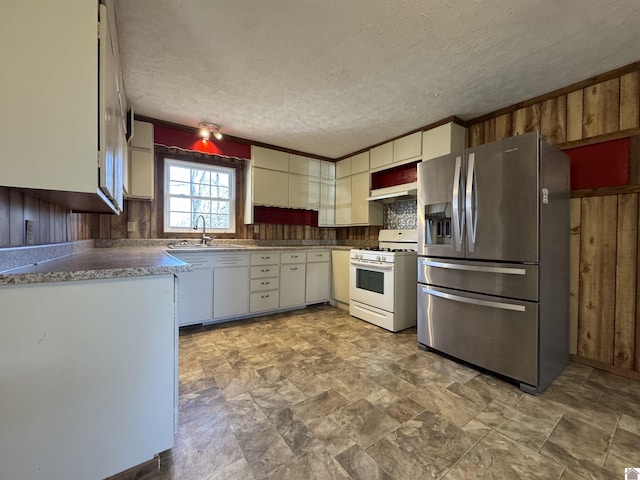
x,y
328,170
304,165
360,163
270,188
343,201
408,147
442,140
359,193
340,275
318,282
230,291
327,212
271,159
195,296
381,155
304,192
141,173
142,135
343,168
292,285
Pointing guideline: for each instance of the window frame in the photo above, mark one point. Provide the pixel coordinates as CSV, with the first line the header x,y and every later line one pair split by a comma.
x,y
231,171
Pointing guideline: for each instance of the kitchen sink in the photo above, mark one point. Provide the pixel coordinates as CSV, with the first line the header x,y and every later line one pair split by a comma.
x,y
199,246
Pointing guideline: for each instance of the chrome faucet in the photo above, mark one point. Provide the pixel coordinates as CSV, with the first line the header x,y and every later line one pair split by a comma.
x,y
203,242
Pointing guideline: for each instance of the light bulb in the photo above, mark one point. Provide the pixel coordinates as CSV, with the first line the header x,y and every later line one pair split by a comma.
x,y
217,134
204,133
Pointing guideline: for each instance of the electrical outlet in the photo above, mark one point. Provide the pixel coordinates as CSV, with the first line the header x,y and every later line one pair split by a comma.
x,y
131,226
256,229
28,232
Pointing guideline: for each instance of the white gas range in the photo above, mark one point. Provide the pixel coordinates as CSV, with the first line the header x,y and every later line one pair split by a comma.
x,y
382,280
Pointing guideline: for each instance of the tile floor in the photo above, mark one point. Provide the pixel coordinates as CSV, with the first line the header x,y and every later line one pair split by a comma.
x,y
317,394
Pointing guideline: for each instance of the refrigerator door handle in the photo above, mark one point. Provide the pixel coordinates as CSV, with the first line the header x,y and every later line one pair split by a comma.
x,y
475,268
474,301
471,203
458,219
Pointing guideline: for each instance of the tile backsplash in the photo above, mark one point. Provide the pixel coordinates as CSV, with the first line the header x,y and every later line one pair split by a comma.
x,y
401,214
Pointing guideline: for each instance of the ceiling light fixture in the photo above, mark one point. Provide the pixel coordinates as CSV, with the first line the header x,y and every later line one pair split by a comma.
x,y
207,129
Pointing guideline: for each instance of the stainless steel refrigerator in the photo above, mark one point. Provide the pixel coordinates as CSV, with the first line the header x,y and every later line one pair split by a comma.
x,y
493,265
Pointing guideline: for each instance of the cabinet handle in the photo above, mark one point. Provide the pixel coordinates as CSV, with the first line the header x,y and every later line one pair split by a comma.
x,y
318,254
294,256
265,283
264,296
265,270
293,268
265,258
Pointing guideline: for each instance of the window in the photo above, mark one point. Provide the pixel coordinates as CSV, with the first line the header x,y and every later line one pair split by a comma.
x,y
194,189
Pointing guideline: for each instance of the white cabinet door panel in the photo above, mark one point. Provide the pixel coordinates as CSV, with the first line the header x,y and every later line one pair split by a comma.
x,y
230,291
270,188
292,285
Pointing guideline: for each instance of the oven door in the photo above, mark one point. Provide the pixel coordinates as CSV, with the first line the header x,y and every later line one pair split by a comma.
x,y
371,283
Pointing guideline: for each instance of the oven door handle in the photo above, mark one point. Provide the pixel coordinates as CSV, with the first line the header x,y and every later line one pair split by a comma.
x,y
373,265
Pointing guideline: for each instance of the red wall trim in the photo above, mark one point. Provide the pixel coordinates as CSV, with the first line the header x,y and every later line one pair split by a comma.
x,y
394,176
171,137
285,216
599,165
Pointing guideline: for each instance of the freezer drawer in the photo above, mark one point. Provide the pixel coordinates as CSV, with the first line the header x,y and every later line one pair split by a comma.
x,y
501,279
490,332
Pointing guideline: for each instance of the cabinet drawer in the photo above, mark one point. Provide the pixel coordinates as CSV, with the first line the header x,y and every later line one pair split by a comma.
x,y
262,301
261,284
319,256
293,257
195,259
265,271
267,258
230,259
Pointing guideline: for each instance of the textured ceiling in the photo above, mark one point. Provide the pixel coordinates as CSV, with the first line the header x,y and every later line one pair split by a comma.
x,y
330,77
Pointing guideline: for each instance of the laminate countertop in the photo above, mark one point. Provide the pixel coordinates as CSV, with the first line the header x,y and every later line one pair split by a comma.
x,y
120,262
98,263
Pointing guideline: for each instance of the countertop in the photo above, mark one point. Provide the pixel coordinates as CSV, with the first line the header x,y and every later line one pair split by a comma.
x,y
123,261
98,263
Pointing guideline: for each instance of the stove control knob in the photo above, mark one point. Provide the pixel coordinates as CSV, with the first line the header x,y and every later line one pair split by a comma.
x,y
380,258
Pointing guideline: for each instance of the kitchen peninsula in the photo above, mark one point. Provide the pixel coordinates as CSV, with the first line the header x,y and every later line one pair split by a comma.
x,y
88,362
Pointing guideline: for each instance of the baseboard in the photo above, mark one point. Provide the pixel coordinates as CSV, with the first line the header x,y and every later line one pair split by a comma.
x,y
623,372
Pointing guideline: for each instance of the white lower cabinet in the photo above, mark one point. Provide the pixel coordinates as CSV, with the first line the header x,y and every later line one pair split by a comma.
x,y
195,300
292,279
195,289
86,366
318,276
230,285
265,282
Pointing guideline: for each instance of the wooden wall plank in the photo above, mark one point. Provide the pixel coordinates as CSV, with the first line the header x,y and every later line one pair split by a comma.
x,y
625,301
630,100
601,108
574,273
476,134
574,115
597,278
634,160
637,340
32,212
44,222
61,224
16,218
503,126
4,217
553,119
526,119
490,130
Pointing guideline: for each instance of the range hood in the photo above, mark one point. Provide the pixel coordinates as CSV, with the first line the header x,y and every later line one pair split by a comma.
x,y
397,192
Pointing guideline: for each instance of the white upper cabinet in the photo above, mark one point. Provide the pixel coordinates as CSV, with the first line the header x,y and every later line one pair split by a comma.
x,y
343,168
381,156
271,159
442,140
50,80
360,163
270,188
140,175
304,165
407,148
328,170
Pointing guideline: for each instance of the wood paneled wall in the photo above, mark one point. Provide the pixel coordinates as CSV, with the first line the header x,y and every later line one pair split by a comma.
x,y
604,300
